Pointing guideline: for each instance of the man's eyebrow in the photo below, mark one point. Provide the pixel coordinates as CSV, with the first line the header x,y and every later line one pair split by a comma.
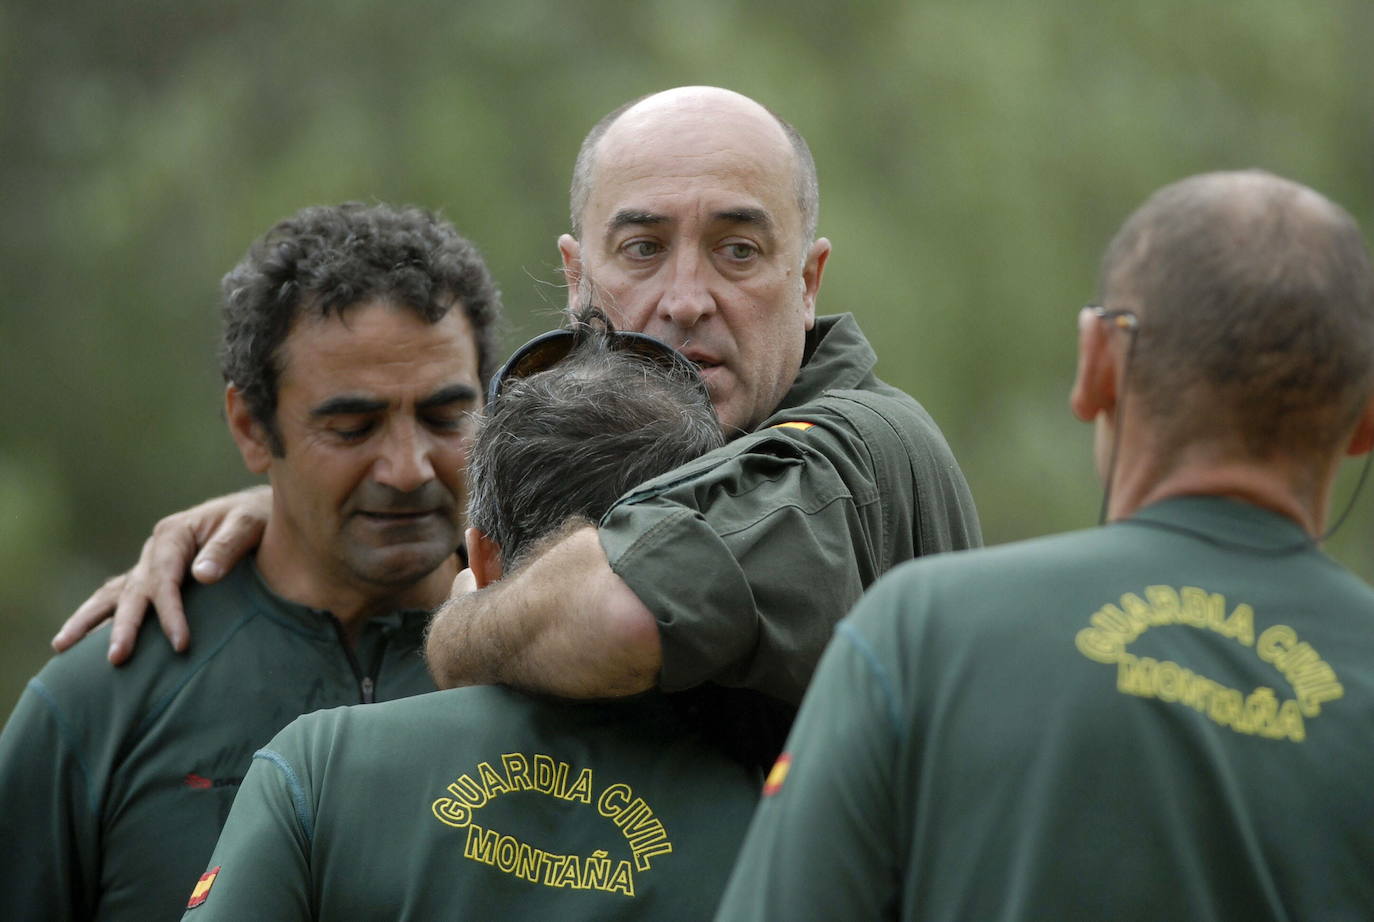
x,y
755,216
356,404
348,405
630,216
453,393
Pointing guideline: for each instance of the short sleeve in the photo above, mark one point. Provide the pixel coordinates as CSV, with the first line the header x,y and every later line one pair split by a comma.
x,y
260,868
46,796
824,843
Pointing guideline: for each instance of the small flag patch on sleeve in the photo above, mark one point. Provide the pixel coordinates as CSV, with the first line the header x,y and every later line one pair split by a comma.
x,y
778,775
796,424
202,890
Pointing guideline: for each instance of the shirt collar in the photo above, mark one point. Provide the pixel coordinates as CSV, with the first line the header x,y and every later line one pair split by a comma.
x,y
1226,521
837,356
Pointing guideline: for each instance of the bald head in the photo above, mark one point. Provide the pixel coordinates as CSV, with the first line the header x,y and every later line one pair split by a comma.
x,y
705,112
1256,304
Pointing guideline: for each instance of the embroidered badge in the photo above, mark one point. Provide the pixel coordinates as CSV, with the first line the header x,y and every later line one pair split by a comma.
x,y
794,425
202,891
778,775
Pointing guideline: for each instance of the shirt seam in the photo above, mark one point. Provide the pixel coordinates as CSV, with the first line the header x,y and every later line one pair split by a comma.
x,y
294,788
157,710
68,734
880,672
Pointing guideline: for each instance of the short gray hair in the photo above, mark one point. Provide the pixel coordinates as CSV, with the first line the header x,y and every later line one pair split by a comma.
x,y
1257,293
567,442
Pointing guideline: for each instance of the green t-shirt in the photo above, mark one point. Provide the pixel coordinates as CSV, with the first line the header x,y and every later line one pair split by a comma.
x,y
1166,718
114,782
749,556
482,803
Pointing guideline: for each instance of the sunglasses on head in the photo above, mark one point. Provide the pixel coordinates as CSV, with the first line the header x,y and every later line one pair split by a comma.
x,y
548,349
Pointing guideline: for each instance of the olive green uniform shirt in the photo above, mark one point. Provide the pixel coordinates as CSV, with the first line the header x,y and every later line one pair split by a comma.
x,y
114,782
1167,718
749,556
482,803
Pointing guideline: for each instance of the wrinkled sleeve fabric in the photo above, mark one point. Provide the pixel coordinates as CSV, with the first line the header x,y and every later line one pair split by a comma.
x,y
825,842
748,557
261,864
51,814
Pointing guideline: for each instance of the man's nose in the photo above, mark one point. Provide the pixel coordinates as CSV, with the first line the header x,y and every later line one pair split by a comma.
x,y
404,463
687,297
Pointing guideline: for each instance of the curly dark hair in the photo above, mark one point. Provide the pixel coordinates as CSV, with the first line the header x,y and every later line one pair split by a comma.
x,y
326,259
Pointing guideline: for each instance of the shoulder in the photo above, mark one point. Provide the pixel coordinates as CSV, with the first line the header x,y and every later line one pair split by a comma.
x,y
969,592
83,680
386,724
985,571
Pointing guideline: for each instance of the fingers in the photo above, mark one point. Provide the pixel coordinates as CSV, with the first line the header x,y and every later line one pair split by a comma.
x,y
92,613
463,583
154,580
228,528
225,529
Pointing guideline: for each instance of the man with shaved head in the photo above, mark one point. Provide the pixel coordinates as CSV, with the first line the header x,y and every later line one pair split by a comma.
x,y
694,214
1165,718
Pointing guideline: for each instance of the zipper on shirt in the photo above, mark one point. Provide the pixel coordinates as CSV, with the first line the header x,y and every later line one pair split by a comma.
x,y
367,684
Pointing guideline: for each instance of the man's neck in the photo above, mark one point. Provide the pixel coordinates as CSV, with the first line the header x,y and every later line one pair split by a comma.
x,y
1287,489
288,572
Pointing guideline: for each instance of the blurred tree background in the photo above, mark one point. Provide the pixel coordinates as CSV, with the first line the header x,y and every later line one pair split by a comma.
x,y
974,156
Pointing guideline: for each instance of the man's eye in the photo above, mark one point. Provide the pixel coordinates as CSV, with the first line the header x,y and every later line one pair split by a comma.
x,y
445,423
353,433
643,249
740,251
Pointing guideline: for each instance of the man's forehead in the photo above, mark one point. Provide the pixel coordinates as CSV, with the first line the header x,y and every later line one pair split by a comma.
x,y
706,173
378,343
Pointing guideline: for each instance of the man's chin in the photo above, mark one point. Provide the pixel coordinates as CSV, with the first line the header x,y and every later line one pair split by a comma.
x,y
402,564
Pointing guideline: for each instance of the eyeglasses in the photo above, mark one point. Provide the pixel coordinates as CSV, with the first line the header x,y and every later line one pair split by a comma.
x,y
548,349
1123,319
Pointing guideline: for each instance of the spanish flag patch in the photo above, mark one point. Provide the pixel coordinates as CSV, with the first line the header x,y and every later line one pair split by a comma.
x,y
797,424
775,777
202,890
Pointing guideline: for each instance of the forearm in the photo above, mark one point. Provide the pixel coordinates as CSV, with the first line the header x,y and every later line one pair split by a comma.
x,y
564,624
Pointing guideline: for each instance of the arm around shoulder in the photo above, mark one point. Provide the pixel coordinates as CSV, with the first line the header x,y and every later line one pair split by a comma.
x,y
563,624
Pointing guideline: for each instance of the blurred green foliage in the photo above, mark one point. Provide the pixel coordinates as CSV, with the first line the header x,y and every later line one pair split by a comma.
x,y
974,156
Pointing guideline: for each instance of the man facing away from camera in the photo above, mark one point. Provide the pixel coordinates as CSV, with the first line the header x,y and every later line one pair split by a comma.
x,y
356,343
1165,718
488,803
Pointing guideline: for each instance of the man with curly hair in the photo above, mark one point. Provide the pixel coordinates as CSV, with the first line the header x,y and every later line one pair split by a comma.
x,y
357,341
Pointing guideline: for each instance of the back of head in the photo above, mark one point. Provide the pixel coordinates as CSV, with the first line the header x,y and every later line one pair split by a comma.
x,y
568,441
1256,305
324,260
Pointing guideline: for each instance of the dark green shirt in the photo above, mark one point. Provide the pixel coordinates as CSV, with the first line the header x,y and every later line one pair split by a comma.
x,y
748,556
114,782
1167,718
482,803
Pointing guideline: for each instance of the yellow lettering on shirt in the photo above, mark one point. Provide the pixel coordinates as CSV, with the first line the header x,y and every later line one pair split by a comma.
x,y
1260,712
641,833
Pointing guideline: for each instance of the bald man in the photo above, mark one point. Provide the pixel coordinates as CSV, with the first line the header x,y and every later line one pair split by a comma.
x,y
693,216
1165,718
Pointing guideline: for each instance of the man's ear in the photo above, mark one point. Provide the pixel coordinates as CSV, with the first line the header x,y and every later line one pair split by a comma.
x,y
249,435
812,270
1362,440
484,557
571,251
1094,385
